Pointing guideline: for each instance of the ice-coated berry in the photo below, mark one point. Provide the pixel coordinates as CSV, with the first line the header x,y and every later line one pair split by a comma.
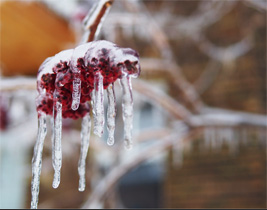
x,y
56,74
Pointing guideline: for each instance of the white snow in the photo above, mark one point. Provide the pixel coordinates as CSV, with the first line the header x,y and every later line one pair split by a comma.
x,y
49,63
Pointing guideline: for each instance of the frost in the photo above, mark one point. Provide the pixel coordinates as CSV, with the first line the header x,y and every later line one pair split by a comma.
x,y
85,139
127,110
111,114
48,65
98,105
56,149
37,160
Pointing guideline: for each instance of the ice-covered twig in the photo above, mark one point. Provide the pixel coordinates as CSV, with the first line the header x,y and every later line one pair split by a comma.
x,y
226,54
223,117
208,76
258,4
188,93
161,41
37,160
173,107
17,83
93,21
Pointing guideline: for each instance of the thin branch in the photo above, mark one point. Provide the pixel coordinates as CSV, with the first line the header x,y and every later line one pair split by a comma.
x,y
17,83
208,76
161,41
162,99
93,21
223,117
106,184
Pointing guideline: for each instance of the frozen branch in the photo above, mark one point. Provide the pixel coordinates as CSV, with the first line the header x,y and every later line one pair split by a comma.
x,y
174,108
258,4
93,21
207,77
228,54
17,83
223,117
106,184
187,90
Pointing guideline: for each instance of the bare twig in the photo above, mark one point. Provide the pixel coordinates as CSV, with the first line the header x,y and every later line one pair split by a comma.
x,y
102,189
207,77
162,43
176,109
223,117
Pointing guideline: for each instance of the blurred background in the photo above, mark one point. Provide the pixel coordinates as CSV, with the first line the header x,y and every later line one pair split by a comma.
x,y
200,121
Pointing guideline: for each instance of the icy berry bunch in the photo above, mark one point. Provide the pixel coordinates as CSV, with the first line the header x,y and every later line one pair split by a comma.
x,y
71,82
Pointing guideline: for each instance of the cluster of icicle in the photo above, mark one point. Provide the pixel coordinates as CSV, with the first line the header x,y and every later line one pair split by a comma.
x,y
214,137
88,52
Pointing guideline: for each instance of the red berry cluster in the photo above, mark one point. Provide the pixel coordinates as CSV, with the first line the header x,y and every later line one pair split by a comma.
x,y
58,84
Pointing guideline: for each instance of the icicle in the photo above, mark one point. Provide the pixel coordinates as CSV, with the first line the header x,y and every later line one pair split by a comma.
x,y
78,53
76,93
56,148
98,105
127,110
37,160
111,114
85,137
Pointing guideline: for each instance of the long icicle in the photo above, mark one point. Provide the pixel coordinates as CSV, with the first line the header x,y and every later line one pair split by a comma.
x,y
127,110
85,140
111,114
98,105
56,148
37,160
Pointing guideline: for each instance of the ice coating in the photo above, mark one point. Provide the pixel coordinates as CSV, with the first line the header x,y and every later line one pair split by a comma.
x,y
85,139
111,114
127,110
82,64
37,160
